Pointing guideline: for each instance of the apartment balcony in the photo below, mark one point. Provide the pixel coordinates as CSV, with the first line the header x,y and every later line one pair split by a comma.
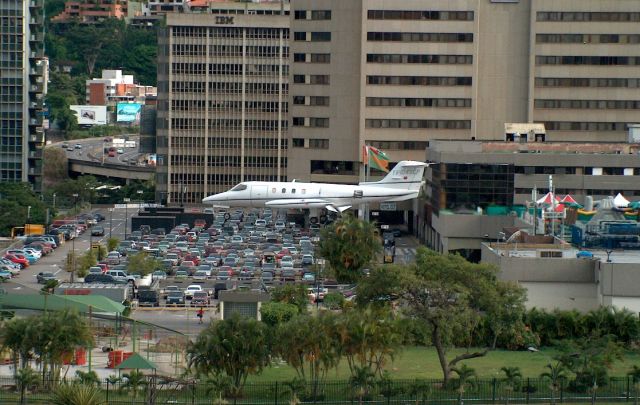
x,y
35,154
36,3
36,88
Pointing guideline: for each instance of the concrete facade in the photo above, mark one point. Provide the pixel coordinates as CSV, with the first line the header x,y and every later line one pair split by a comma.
x,y
566,282
23,85
222,99
396,75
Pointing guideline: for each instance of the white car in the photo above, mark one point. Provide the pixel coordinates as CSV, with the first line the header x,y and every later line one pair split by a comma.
x,y
120,151
188,292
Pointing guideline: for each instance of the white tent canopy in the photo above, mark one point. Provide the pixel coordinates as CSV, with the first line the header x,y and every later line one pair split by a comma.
x,y
620,202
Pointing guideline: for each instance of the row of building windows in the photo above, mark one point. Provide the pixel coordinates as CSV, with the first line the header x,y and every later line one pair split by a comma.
x,y
585,82
588,38
585,126
587,16
588,60
311,79
310,122
312,57
589,104
418,102
398,145
418,124
199,123
317,15
251,51
311,100
229,69
419,15
225,105
312,36
229,32
415,58
228,161
419,37
218,142
420,80
233,88
312,143
340,167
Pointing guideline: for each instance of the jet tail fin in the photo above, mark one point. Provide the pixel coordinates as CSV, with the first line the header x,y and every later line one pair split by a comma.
x,y
406,175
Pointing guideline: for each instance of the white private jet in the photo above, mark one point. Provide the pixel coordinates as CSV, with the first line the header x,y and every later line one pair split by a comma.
x,y
401,183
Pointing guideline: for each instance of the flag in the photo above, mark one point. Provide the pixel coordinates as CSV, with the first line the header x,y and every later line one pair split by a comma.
x,y
376,158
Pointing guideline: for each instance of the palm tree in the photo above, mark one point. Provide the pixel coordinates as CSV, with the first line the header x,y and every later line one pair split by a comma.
x,y
133,381
556,374
77,394
216,385
87,378
420,389
26,377
361,382
465,379
634,373
294,388
512,379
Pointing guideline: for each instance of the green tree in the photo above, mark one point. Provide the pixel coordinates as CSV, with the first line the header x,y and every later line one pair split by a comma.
x,y
556,375
88,377
309,345
349,245
15,335
294,294
87,260
26,378
294,388
512,380
133,382
15,200
382,284
274,313
216,385
55,166
235,346
634,374
77,394
368,338
112,244
466,378
142,263
333,300
361,382
452,296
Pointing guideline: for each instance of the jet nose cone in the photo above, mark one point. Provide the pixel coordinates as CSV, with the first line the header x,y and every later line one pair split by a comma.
x,y
216,198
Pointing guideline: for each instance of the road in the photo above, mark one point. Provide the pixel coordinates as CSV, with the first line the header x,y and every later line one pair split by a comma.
x,y
26,282
93,150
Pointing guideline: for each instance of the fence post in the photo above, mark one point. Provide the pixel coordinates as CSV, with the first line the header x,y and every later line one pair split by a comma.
x,y
493,390
527,389
276,394
561,390
193,393
628,388
388,392
107,390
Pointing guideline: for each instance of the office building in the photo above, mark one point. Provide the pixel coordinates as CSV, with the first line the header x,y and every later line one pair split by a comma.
x,y
398,74
475,189
23,84
91,11
222,99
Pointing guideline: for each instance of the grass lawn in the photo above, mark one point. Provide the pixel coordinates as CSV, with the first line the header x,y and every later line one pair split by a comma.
x,y
422,362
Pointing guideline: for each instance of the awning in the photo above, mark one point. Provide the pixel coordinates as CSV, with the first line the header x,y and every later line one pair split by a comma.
x,y
620,202
547,199
136,361
51,302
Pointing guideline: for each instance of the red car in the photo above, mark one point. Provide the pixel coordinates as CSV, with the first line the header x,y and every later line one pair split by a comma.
x,y
103,266
19,259
192,258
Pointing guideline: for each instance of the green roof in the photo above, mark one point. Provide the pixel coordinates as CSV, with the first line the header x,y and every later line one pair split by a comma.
x,y
137,362
41,302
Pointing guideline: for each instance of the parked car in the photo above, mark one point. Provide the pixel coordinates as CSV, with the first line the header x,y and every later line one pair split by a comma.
x,y
101,278
19,259
200,299
43,277
175,298
97,231
5,274
188,292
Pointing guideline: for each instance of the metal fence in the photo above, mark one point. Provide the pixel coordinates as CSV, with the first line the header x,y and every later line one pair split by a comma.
x,y
158,390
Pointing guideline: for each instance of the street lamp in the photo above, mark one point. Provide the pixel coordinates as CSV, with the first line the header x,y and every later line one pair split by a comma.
x,y
321,264
140,201
73,241
54,201
126,216
110,221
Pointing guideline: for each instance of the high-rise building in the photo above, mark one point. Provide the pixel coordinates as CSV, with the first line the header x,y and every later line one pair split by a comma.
x,y
23,83
397,74
222,99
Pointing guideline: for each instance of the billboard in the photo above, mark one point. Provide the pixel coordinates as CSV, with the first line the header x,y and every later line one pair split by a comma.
x,y
128,112
90,114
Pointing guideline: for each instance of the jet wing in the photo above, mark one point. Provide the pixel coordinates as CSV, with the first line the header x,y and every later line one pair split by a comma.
x,y
298,203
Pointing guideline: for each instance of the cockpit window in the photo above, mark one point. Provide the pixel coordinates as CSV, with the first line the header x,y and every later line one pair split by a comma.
x,y
239,187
